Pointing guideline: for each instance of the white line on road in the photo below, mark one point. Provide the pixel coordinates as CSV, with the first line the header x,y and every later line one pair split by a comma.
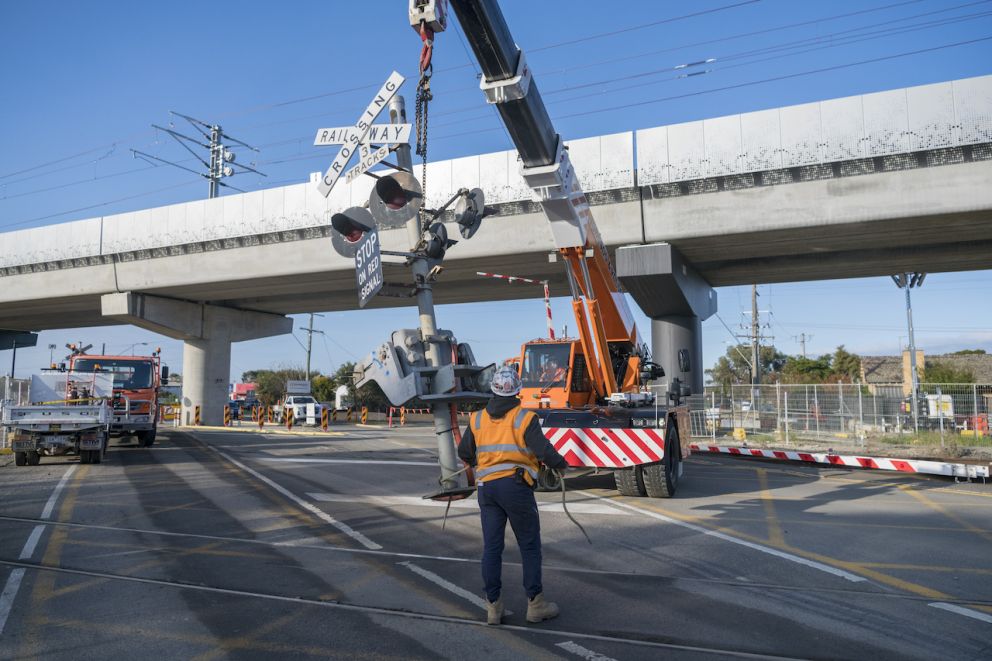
x,y
50,505
313,509
578,650
13,583
448,585
467,504
854,578
32,542
9,594
960,610
370,462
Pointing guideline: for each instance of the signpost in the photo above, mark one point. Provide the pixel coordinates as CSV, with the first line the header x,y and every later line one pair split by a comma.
x,y
368,267
352,138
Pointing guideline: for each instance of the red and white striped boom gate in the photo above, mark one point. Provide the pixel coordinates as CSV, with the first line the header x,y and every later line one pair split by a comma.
x,y
529,281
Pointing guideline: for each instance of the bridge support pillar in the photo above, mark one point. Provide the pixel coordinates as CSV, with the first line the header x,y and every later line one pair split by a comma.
x,y
677,299
207,332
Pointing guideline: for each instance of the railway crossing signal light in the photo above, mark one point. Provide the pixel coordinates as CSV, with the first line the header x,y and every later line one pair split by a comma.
x,y
436,241
469,212
350,226
395,199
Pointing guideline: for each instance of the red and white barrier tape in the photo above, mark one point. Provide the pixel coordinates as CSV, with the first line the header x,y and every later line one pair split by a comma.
x,y
876,463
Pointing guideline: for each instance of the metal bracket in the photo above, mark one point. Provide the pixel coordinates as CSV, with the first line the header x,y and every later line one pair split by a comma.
x,y
551,182
509,89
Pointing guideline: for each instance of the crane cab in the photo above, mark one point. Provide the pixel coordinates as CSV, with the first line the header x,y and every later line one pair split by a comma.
x,y
553,375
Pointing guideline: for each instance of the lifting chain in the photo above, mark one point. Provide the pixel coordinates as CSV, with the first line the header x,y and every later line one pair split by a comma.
x,y
424,97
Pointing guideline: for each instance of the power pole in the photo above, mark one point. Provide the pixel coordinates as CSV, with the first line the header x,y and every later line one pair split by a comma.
x,y
221,162
309,330
755,336
801,339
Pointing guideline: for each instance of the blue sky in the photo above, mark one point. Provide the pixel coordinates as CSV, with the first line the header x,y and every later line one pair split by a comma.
x,y
84,81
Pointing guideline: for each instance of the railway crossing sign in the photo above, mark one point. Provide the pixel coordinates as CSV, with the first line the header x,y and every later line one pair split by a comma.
x,y
353,138
368,267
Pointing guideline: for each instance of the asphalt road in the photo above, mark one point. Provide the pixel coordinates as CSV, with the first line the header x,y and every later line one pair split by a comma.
x,y
217,544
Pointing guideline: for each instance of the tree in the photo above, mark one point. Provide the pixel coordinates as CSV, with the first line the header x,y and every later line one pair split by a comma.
x,y
938,372
807,370
969,352
846,364
735,367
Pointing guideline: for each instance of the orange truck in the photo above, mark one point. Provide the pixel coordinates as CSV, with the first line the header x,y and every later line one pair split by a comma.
x,y
137,381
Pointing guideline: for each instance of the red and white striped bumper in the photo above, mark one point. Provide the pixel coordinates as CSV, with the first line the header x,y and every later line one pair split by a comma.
x,y
877,463
602,447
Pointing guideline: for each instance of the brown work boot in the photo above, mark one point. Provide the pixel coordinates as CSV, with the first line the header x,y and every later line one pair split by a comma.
x,y
539,609
494,611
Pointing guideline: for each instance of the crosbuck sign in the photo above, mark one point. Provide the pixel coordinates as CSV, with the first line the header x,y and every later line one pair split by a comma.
x,y
368,267
352,138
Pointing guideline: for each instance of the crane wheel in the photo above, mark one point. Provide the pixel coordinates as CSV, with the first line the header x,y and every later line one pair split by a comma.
x,y
33,457
662,480
629,481
85,456
20,458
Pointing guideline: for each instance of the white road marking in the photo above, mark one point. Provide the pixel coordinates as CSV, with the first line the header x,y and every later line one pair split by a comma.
x,y
370,462
9,594
960,610
854,578
467,504
578,650
50,505
448,585
13,584
32,542
313,509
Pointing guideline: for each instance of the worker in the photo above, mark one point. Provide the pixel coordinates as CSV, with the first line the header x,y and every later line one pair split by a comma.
x,y
504,444
552,371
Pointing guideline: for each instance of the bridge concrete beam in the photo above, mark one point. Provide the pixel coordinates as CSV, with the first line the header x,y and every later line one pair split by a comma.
x,y
677,299
207,332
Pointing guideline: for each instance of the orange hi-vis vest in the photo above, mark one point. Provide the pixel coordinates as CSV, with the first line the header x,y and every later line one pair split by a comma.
x,y
500,447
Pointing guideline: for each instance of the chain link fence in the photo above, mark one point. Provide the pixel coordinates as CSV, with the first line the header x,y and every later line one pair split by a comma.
x,y
843,410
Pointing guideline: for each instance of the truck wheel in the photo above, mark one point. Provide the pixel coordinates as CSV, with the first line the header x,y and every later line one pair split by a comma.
x,y
662,480
629,481
33,458
547,480
20,458
147,437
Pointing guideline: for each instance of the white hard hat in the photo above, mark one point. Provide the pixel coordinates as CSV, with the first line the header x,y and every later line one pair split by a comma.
x,y
506,382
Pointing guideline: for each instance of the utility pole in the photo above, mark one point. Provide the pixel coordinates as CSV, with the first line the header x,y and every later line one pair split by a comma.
x,y
755,349
908,281
309,330
222,160
801,339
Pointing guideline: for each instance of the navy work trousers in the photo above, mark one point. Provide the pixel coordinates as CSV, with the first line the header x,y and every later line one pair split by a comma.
x,y
501,500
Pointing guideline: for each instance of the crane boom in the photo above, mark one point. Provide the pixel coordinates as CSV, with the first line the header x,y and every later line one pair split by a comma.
x,y
606,326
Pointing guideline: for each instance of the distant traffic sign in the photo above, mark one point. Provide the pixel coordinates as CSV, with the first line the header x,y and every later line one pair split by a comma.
x,y
368,267
361,128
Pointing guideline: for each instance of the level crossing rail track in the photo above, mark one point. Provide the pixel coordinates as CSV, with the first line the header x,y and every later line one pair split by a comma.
x,y
247,569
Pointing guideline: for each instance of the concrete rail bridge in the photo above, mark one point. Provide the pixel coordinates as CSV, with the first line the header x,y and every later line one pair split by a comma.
x,y
850,187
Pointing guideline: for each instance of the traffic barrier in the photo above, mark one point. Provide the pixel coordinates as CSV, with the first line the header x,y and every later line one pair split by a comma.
x,y
365,414
227,415
402,415
260,417
875,463
351,414
334,415
270,414
196,416
290,416
323,419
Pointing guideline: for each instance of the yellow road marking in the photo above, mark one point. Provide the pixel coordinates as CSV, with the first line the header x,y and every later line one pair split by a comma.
x,y
775,536
228,645
929,568
853,567
937,507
